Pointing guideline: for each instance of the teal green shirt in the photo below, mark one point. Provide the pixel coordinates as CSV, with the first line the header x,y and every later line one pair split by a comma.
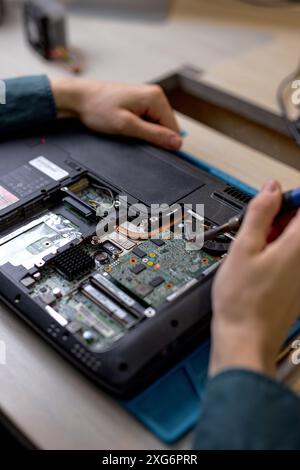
x,y
241,409
246,410
29,104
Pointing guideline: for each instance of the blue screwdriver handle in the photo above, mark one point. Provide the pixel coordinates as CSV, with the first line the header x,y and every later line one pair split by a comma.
x,y
291,200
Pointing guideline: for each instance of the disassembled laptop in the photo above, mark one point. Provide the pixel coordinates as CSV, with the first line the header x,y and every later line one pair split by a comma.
x,y
101,288
119,288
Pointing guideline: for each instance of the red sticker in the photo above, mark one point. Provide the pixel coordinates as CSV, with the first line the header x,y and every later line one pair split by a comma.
x,y
6,198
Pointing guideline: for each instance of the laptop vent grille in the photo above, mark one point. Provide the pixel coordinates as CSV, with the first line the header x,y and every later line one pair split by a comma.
x,y
237,194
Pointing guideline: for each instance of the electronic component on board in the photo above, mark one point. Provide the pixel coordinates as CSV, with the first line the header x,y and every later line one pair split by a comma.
x,y
122,241
73,263
157,281
29,244
111,248
122,297
138,252
28,281
57,292
158,242
143,290
106,284
102,257
137,269
95,322
46,296
90,336
108,305
78,206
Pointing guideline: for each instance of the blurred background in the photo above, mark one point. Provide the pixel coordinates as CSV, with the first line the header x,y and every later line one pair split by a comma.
x,y
244,47
133,40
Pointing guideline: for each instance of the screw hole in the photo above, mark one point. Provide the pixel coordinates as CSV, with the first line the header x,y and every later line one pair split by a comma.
x,y
17,299
174,323
65,336
123,366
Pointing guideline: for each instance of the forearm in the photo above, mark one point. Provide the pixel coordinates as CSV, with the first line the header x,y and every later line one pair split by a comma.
x,y
29,103
37,100
139,111
243,409
67,94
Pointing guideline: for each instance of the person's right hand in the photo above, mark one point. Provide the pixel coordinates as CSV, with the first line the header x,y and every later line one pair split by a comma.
x,y
256,293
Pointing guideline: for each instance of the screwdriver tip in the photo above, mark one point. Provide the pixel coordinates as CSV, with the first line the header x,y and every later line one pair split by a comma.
x,y
214,232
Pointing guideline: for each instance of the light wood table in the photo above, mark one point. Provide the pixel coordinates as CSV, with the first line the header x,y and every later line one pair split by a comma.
x,y
245,50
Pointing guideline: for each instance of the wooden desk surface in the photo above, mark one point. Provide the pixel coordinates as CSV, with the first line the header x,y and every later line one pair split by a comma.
x,y
40,393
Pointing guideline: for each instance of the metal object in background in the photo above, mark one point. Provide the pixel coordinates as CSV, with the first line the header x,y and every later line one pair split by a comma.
x,y
289,106
2,12
146,9
45,30
271,3
45,26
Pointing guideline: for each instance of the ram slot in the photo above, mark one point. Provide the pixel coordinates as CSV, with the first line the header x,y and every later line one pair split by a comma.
x,y
99,299
118,294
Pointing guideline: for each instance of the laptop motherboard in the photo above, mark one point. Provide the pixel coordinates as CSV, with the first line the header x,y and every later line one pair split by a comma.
x,y
99,288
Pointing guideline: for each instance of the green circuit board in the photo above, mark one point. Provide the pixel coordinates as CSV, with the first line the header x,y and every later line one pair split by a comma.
x,y
153,273
87,321
96,196
99,287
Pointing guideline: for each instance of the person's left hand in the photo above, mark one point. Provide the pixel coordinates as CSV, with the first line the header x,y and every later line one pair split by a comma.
x,y
140,111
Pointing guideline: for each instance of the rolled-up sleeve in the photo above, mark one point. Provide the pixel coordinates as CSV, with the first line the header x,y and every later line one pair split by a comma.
x,y
28,103
243,409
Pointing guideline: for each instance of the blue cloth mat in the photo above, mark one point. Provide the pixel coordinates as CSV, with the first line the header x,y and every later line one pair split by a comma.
x,y
171,406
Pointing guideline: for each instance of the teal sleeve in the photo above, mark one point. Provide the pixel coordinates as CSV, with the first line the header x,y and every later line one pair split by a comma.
x,y
243,409
29,103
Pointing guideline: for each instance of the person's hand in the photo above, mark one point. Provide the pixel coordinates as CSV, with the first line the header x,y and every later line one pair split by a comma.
x,y
256,293
140,111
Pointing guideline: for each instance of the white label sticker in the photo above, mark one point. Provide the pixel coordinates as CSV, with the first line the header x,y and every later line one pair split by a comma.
x,y
49,168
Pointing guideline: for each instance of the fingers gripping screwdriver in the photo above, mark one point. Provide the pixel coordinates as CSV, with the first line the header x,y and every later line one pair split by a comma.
x,y
290,201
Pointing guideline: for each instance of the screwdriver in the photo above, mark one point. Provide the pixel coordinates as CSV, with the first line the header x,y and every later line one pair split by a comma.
x,y
290,201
